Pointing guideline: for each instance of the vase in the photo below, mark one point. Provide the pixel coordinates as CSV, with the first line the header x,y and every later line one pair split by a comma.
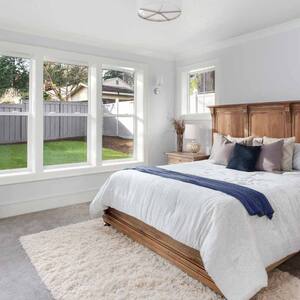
x,y
179,142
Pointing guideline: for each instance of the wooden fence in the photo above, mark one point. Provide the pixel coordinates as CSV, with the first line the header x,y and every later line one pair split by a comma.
x,y
13,128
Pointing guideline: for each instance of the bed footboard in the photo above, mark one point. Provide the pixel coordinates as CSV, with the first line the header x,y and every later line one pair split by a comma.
x,y
184,257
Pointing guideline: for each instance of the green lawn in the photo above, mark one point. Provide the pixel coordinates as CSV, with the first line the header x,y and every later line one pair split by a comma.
x,y
55,153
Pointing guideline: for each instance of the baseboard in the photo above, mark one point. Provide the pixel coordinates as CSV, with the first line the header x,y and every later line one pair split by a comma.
x,y
24,207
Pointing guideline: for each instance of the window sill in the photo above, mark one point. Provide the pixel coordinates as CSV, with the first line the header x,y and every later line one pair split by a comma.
x,y
54,172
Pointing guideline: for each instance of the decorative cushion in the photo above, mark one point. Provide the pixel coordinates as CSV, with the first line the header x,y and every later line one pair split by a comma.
x,y
296,159
244,158
287,151
270,157
219,139
223,154
240,140
257,141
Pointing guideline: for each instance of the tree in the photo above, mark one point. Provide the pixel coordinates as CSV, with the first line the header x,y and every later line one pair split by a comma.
x,y
125,76
14,74
63,79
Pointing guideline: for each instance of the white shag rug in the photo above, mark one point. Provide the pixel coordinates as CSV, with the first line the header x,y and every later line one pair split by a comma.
x,y
88,261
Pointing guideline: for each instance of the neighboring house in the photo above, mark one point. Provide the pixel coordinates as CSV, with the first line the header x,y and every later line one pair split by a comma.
x,y
116,88
112,89
118,99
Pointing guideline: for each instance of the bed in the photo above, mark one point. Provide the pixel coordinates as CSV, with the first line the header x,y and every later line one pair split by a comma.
x,y
236,249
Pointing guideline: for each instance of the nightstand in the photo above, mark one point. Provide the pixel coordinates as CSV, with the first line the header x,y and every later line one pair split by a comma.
x,y
181,157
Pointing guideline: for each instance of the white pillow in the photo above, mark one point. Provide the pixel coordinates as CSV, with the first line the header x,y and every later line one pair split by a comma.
x,y
257,141
296,159
241,140
287,151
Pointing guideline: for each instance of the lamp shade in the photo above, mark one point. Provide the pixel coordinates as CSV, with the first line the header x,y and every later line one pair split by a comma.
x,y
191,132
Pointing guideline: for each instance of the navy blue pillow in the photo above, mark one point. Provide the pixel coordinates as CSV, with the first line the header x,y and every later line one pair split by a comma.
x,y
244,158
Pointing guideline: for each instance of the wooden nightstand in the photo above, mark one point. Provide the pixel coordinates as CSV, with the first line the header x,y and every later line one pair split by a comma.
x,y
181,157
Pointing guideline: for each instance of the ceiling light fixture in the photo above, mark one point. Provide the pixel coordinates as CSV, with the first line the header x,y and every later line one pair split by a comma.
x,y
159,10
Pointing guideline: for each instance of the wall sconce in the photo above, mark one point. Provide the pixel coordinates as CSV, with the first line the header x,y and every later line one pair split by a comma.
x,y
158,85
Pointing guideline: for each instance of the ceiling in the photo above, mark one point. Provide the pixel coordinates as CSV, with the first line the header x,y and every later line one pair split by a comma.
x,y
115,24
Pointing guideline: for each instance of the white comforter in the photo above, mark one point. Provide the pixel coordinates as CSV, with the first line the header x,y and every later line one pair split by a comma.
x,y
234,246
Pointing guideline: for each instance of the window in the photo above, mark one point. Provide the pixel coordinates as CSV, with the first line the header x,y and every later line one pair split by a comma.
x,y
14,107
65,113
201,90
118,114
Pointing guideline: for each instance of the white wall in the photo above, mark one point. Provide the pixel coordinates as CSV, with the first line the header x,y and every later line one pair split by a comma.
x,y
260,69
26,197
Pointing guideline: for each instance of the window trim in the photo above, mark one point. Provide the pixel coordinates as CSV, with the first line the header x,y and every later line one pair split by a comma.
x,y
35,170
198,71
183,73
75,115
27,114
133,115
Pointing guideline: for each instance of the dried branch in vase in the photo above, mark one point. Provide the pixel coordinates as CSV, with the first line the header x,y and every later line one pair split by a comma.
x,y
179,126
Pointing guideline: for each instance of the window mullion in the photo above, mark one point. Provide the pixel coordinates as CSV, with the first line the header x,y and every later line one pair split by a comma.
x,y
95,116
35,119
139,133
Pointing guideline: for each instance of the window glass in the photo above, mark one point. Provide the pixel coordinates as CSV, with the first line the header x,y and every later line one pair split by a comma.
x,y
118,114
210,82
14,107
65,113
201,91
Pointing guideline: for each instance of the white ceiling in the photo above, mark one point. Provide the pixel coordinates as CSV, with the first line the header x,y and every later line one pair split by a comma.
x,y
115,24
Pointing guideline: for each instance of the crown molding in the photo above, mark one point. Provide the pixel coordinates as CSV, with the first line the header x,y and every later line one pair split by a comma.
x,y
72,42
110,49
259,34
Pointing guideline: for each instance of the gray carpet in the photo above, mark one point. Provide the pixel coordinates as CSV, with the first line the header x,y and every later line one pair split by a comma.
x,y
18,278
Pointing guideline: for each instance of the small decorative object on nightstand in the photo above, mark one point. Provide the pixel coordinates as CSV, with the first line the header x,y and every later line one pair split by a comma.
x,y
192,133
181,157
179,127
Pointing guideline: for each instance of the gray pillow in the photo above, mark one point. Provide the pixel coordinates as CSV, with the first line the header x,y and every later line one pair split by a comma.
x,y
219,139
270,157
287,151
296,159
223,154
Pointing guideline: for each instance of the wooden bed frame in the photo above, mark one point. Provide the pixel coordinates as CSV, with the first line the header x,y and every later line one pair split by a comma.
x,y
274,119
184,257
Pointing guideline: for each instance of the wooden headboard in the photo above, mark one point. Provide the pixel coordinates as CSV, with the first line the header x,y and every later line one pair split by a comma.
x,y
273,119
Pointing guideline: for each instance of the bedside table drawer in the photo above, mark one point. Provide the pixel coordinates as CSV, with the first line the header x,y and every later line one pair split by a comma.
x,y
178,160
183,157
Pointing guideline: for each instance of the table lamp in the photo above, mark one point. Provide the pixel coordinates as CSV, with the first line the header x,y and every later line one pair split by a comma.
x,y
192,133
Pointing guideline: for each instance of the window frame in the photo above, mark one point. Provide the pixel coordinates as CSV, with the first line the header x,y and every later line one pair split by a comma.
x,y
87,115
24,114
35,169
183,99
133,115
199,71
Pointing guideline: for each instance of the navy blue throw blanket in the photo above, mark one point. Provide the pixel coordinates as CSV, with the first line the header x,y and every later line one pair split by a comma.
x,y
255,202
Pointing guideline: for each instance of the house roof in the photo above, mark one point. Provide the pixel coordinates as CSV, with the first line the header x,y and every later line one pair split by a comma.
x,y
111,86
116,85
